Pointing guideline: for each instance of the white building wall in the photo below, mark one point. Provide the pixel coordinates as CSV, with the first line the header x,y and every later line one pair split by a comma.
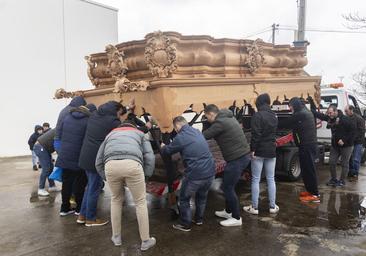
x,y
34,35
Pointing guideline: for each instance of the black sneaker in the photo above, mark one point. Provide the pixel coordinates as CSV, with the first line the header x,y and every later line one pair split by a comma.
x,y
181,227
198,223
35,168
332,182
341,183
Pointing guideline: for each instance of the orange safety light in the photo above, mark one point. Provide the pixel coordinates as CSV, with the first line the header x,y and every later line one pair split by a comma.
x,y
336,85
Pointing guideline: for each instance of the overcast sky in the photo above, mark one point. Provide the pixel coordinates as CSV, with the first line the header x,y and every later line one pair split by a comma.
x,y
331,55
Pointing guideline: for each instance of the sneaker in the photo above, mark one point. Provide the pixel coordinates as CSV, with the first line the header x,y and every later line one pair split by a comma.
x,y
43,192
232,222
77,213
181,227
198,223
250,209
311,199
117,240
341,183
81,219
65,213
96,223
332,182
146,245
54,189
304,193
274,210
35,168
223,214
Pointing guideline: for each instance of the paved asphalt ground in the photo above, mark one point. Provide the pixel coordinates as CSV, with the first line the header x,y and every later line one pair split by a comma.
x,y
30,225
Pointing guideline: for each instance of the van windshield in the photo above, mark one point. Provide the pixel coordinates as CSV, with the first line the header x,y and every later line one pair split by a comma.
x,y
327,100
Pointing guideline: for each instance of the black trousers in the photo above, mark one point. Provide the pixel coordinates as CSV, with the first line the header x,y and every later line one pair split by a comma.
x,y
73,182
307,154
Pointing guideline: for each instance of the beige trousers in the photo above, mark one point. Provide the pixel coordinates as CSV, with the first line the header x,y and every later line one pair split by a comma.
x,y
131,173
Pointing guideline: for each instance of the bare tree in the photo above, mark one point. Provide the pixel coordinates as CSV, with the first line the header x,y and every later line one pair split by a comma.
x,y
359,85
355,21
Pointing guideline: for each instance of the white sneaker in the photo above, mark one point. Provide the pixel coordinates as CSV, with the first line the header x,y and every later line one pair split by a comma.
x,y
232,222
146,245
117,240
250,209
54,189
274,210
223,214
43,192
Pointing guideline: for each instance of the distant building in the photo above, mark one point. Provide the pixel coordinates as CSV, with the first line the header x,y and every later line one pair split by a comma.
x,y
43,44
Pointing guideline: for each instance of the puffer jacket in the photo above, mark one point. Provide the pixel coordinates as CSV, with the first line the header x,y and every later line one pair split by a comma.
x,y
229,135
72,135
126,143
74,103
263,129
100,124
197,158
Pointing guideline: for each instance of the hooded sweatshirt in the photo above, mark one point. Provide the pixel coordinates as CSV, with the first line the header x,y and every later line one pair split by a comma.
x,y
301,122
75,103
33,138
229,135
263,128
100,124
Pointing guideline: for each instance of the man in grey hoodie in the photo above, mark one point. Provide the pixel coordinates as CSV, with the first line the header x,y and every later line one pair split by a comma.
x,y
126,156
230,137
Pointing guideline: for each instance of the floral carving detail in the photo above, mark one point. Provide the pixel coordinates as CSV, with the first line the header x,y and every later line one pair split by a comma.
x,y
161,55
62,93
91,67
124,85
116,65
255,58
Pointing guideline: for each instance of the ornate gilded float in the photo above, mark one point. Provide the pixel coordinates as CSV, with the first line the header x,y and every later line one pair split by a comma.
x,y
166,72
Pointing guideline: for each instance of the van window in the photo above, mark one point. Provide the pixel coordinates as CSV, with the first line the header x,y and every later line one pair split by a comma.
x,y
352,101
327,100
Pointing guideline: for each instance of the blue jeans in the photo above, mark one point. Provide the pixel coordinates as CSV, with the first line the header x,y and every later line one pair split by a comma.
x,y
90,199
269,165
200,189
34,158
45,159
355,161
232,173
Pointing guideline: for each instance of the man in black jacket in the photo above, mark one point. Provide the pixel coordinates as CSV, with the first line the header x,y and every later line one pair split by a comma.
x,y
227,132
31,141
343,135
355,161
302,123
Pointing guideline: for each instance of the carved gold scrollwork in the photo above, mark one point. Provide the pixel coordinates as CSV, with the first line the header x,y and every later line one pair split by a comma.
x,y
62,93
91,67
116,65
255,58
160,55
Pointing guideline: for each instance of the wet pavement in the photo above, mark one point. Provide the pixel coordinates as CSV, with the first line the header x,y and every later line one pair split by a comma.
x,y
31,226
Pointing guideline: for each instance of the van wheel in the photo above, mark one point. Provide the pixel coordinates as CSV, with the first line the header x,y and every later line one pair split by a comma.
x,y
291,165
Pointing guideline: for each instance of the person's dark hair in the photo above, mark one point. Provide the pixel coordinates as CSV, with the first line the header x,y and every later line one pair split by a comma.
x,y
211,108
262,100
128,123
333,107
46,125
352,108
179,119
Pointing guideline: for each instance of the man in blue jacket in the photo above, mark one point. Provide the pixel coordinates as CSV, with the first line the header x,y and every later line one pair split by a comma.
x,y
199,172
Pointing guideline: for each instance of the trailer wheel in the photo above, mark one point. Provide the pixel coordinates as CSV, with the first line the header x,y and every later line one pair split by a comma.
x,y
291,164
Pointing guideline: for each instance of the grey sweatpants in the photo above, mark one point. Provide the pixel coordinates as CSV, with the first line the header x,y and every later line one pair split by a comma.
x,y
345,154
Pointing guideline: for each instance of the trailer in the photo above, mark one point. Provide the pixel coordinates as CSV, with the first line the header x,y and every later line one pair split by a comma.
x,y
169,74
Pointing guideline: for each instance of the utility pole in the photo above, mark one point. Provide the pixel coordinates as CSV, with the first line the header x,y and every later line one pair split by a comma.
x,y
301,21
274,28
